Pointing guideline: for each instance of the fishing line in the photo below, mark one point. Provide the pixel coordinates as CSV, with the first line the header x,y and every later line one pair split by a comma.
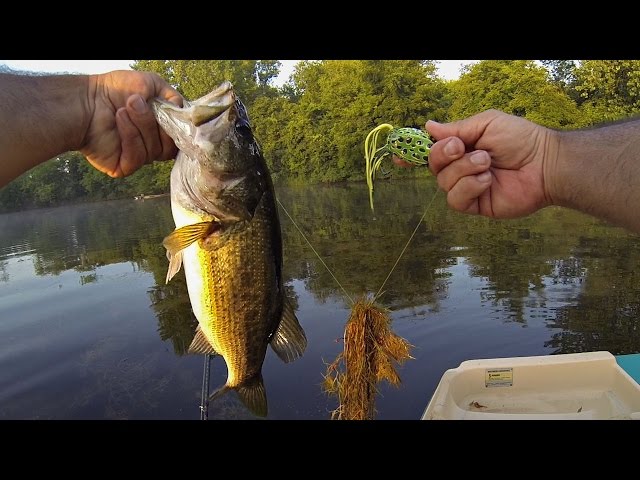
x,y
410,144
392,268
371,350
314,251
406,245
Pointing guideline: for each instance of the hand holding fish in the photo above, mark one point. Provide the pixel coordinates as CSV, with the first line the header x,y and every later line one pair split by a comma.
x,y
503,166
105,116
123,134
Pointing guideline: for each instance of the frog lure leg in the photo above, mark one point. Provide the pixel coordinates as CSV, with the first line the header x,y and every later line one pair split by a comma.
x,y
410,144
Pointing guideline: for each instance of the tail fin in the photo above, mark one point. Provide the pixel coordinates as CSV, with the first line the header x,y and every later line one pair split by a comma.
x,y
252,394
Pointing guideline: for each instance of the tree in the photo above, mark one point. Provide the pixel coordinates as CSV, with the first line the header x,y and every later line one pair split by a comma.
x,y
269,119
195,78
66,178
609,89
518,87
11,196
337,103
563,74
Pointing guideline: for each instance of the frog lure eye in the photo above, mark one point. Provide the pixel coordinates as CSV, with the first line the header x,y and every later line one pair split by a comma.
x,y
410,144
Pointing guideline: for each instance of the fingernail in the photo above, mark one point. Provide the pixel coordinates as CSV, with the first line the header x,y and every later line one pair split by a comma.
x,y
479,158
139,105
451,148
484,177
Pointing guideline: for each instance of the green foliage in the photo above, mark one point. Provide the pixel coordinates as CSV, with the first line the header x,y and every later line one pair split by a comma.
x,y
274,115
151,179
195,78
332,106
11,197
608,89
57,181
70,178
563,74
519,87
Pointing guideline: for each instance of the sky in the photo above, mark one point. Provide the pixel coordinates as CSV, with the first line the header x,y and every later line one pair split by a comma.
x,y
448,69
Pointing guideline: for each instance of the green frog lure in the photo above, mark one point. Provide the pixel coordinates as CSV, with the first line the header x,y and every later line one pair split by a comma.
x,y
410,144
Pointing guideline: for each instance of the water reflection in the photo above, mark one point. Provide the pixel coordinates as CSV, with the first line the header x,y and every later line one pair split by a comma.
x,y
85,285
176,321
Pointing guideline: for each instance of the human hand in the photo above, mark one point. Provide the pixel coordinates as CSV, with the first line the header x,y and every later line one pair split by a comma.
x,y
122,133
491,164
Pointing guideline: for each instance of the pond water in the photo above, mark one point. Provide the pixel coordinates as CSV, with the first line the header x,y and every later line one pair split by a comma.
x,y
89,330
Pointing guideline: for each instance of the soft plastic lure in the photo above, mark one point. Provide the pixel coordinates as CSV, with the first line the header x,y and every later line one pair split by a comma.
x,y
409,144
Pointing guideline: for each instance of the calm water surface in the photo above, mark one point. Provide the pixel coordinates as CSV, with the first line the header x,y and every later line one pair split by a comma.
x,y
89,330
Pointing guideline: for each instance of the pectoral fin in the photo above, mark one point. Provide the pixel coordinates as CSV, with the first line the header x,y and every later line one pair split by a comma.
x,y
289,340
180,239
175,262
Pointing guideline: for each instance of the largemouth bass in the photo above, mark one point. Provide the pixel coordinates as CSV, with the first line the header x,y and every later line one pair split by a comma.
x,y
228,238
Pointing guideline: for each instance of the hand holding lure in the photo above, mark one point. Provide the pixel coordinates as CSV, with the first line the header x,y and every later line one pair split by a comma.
x,y
410,144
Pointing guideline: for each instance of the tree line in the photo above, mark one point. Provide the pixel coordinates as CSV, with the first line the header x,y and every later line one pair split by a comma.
x,y
312,128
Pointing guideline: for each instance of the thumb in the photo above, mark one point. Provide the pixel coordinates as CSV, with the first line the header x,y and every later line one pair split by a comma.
x,y
440,130
468,130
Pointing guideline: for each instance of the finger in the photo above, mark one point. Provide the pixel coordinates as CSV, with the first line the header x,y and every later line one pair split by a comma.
x,y
163,145
134,153
444,152
465,195
171,95
472,163
468,130
142,117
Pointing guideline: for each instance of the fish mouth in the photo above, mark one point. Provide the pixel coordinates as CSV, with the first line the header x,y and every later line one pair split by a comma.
x,y
215,112
211,106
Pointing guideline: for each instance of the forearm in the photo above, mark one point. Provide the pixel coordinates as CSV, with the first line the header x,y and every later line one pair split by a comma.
x,y
40,117
597,171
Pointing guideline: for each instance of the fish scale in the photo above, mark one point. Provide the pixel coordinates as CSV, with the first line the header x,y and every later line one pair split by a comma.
x,y
235,311
228,302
